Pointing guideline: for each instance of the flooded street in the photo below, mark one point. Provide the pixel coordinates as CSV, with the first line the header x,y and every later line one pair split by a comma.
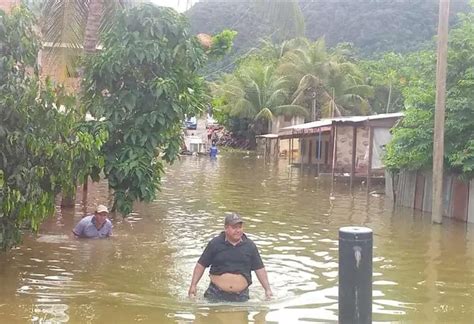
x,y
422,273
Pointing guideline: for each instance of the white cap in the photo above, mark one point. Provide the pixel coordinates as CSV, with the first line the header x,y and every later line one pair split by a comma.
x,y
101,209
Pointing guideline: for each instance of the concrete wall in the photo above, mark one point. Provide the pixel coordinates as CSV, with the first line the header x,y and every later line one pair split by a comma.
x,y
279,123
344,148
362,150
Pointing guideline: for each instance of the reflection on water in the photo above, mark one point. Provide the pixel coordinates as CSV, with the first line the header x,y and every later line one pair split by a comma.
x,y
422,273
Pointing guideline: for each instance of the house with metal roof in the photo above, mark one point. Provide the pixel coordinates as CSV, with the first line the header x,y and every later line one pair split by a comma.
x,y
351,146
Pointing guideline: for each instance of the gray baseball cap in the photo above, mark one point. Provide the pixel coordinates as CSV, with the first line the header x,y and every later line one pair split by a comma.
x,y
232,219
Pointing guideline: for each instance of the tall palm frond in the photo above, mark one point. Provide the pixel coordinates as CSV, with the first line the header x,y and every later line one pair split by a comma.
x,y
257,93
264,114
276,51
309,82
72,27
63,33
325,82
309,58
291,110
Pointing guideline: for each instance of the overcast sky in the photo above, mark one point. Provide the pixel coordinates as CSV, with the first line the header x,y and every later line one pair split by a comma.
x,y
179,5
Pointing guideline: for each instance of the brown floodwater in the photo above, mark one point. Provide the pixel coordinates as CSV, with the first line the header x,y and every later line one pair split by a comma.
x,y
423,273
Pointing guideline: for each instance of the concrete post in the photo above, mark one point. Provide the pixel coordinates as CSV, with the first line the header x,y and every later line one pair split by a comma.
x,y
355,275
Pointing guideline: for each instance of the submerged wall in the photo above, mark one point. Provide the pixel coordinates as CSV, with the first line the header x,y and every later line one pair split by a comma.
x,y
414,190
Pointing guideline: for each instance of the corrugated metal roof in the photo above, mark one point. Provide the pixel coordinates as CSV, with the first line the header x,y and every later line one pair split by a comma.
x,y
267,136
315,124
346,119
386,116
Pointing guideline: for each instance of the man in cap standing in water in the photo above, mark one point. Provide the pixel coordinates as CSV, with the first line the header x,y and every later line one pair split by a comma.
x,y
232,256
95,226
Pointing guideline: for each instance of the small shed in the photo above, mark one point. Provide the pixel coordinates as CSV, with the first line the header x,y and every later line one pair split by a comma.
x,y
352,145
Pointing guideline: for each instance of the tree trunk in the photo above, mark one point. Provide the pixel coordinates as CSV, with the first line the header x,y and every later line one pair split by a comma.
x,y
68,200
91,37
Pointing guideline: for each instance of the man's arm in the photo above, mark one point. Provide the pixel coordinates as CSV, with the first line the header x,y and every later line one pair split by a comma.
x,y
197,274
79,228
263,278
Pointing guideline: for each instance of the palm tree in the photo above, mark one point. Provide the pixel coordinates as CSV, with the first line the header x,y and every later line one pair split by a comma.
x,y
255,92
276,51
326,82
72,28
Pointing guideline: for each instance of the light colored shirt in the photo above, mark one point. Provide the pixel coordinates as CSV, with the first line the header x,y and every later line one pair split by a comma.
x,y
86,228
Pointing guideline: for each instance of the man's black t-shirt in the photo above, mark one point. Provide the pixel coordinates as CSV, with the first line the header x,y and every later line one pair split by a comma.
x,y
223,257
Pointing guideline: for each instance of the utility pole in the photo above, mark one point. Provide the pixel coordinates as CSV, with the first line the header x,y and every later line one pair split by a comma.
x,y
313,110
438,139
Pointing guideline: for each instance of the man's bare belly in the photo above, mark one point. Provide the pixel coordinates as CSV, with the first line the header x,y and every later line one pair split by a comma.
x,y
230,282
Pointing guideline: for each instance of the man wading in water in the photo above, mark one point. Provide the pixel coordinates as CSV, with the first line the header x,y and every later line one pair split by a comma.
x,y
232,256
95,226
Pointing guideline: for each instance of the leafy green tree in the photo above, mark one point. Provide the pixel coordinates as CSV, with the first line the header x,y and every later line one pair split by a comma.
x,y
412,144
221,43
38,133
383,76
141,85
393,74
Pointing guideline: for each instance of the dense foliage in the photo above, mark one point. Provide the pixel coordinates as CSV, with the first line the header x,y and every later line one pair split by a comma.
x,y
141,86
39,137
412,147
294,78
222,43
373,27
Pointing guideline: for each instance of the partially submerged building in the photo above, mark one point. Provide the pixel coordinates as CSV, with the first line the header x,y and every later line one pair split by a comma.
x,y
350,146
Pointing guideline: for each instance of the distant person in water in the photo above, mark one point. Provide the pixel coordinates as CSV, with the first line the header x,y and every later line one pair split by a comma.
x,y
94,226
232,256
213,150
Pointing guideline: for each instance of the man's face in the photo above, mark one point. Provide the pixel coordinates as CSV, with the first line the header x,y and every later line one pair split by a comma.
x,y
234,232
101,217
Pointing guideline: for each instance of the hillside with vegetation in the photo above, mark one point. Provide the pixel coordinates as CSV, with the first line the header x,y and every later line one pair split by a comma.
x,y
390,66
373,27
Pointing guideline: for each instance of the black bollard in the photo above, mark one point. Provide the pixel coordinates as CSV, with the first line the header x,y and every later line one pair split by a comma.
x,y
355,275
